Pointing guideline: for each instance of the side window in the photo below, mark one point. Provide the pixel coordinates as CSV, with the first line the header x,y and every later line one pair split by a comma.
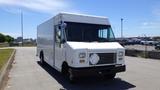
x,y
57,35
102,33
111,35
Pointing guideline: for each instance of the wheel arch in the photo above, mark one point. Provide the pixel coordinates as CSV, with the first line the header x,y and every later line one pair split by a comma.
x,y
64,64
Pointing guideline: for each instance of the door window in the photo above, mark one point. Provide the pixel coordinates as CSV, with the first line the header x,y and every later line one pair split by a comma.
x,y
58,36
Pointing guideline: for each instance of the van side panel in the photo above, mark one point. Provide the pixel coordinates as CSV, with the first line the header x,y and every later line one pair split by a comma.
x,y
45,41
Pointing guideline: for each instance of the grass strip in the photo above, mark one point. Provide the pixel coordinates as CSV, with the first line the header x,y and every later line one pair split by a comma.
x,y
4,56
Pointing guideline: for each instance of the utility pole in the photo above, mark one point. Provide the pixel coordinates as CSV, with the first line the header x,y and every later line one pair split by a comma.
x,y
22,26
121,28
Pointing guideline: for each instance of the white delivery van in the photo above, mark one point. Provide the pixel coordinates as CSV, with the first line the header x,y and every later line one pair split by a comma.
x,y
80,45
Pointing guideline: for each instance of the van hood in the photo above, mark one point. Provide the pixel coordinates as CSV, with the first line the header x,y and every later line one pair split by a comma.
x,y
95,45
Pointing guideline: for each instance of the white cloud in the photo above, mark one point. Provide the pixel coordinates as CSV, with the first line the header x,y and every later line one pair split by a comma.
x,y
154,25
47,6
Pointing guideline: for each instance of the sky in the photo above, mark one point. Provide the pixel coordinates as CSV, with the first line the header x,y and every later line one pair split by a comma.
x,y
140,17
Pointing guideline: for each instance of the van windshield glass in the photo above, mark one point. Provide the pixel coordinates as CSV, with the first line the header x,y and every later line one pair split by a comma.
x,y
81,32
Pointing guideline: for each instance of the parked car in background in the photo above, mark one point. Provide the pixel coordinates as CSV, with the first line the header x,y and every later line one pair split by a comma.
x,y
148,42
132,42
128,41
121,41
157,46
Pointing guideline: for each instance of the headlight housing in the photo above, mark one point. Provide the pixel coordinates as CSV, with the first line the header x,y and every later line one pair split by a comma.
x,y
94,58
82,55
120,54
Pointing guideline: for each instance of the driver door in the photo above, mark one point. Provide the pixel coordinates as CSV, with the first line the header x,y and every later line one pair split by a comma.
x,y
59,48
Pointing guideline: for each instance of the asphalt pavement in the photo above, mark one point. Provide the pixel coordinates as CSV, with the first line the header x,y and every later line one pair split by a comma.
x,y
28,74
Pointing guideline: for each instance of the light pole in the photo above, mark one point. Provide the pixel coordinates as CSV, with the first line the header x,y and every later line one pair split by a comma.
x,y
121,28
22,26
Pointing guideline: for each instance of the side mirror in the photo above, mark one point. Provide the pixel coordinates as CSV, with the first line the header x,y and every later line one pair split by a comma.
x,y
62,25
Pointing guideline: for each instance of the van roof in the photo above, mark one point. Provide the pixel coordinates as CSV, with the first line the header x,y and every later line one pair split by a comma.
x,y
80,14
83,18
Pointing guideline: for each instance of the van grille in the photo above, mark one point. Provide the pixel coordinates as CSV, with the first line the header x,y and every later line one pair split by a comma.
x,y
106,58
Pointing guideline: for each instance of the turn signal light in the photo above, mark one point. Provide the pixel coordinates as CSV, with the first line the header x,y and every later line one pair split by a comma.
x,y
82,61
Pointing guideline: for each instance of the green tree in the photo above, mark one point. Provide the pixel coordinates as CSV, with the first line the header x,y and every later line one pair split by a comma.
x,y
6,38
9,39
2,38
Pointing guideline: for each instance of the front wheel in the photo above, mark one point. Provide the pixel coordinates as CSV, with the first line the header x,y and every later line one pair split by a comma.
x,y
66,71
70,76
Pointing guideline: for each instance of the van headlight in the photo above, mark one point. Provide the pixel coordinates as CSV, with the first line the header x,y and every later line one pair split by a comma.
x,y
82,55
94,58
120,54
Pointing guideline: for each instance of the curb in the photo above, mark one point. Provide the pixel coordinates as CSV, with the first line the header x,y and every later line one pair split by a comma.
x,y
5,70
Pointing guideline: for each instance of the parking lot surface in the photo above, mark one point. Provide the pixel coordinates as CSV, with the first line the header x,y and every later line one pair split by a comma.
x,y
28,74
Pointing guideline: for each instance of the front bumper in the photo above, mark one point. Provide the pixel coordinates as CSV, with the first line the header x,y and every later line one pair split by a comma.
x,y
97,70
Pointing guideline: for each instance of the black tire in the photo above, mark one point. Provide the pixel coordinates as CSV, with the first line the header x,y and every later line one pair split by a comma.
x,y
64,69
70,76
67,72
156,48
41,58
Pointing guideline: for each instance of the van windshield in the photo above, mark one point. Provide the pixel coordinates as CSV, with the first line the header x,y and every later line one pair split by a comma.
x,y
82,32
